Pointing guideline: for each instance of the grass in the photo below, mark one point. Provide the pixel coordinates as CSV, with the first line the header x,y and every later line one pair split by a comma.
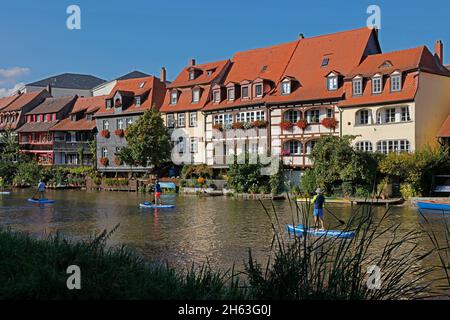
x,y
301,268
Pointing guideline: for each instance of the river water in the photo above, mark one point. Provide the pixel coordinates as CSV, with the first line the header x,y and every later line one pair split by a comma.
x,y
217,229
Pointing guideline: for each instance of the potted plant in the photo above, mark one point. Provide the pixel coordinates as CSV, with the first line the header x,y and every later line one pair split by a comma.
x,y
120,133
286,125
217,126
302,124
104,161
117,161
238,125
260,124
285,153
105,134
330,123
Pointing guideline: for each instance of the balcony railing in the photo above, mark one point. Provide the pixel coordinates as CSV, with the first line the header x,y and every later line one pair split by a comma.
x,y
70,146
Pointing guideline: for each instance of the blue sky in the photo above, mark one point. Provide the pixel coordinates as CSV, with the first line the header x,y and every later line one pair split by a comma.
x,y
119,36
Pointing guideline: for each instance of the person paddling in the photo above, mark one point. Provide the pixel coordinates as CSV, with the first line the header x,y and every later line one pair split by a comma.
x,y
41,189
157,193
318,201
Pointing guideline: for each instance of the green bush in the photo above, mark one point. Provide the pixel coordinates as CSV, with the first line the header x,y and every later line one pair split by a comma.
x,y
28,173
308,182
115,182
242,177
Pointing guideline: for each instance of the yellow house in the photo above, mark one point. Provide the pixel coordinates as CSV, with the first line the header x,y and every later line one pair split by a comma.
x,y
396,101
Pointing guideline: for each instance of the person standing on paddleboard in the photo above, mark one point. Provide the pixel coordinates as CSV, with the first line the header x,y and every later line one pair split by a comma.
x,y
41,189
319,202
157,193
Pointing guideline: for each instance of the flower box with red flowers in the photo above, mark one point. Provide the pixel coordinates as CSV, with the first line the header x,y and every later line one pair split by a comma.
x,y
286,125
120,133
104,161
238,125
217,126
330,123
117,161
302,124
285,153
105,134
261,124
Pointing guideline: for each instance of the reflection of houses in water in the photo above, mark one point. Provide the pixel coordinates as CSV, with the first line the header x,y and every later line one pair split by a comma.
x,y
441,186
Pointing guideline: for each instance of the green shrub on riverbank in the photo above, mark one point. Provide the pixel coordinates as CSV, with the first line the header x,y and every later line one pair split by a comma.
x,y
36,269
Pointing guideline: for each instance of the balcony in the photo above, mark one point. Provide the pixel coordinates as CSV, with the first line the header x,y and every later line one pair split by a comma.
x,y
72,146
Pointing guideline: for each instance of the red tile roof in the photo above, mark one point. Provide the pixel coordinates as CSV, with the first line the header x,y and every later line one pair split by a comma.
x,y
88,104
4,102
444,132
203,78
53,105
408,61
150,86
80,125
22,100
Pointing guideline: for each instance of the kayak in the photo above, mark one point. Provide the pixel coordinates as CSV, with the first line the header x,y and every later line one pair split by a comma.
x,y
154,206
41,201
434,205
300,230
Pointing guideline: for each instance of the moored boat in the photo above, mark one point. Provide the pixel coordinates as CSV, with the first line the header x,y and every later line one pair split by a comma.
x,y
442,206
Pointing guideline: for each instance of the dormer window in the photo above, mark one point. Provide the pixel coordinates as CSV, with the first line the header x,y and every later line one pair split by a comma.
x,y
73,117
258,90
357,86
108,104
195,95
174,97
141,85
89,117
377,84
286,87
118,103
230,94
396,82
325,62
332,83
244,93
192,75
138,101
216,96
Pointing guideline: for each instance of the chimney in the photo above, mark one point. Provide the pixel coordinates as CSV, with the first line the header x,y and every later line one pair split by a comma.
x,y
163,74
301,36
192,62
49,89
439,51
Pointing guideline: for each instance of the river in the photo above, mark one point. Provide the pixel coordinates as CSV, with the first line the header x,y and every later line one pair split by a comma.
x,y
217,229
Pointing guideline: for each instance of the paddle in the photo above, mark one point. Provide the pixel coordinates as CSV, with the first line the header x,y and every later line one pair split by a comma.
x,y
34,195
332,214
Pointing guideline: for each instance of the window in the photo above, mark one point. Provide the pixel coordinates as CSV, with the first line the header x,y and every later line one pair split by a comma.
x,y
194,145
73,117
216,96
230,94
181,145
195,95
104,153
129,122
174,97
108,104
120,124
105,125
365,146
181,122
329,113
138,101
218,119
396,83
292,116
332,83
253,147
357,87
405,114
313,116
363,117
325,62
191,75
89,117
260,115
141,85
170,120
389,146
286,87
228,118
193,119
240,117
54,117
258,90
250,117
245,92
377,85
310,146
293,147
389,115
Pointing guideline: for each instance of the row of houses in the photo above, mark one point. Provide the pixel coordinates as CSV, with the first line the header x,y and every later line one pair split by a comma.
x,y
274,101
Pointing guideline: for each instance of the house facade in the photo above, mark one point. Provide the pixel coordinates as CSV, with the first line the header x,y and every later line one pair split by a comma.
x,y
396,101
185,98
444,133
74,135
122,107
35,136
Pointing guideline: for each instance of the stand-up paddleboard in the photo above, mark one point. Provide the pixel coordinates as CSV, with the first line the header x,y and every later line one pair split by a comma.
x,y
6,193
149,205
41,201
438,206
300,230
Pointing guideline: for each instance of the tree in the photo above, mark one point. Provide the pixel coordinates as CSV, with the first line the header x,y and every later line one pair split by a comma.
x,y
9,155
148,141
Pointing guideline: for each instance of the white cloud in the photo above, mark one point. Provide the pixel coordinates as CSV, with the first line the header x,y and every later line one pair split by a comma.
x,y
5,92
13,73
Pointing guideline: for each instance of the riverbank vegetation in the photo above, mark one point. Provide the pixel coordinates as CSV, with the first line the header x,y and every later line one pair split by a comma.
x,y
306,268
343,171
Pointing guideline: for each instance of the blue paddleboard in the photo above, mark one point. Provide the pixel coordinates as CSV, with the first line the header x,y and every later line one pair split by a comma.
x,y
41,201
149,205
5,193
300,230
